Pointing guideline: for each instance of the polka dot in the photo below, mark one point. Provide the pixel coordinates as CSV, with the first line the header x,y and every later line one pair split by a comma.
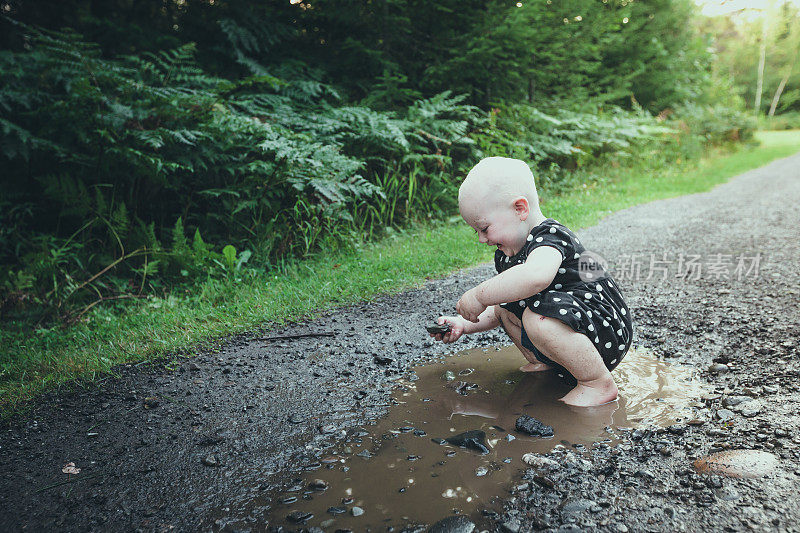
x,y
612,361
503,305
619,332
621,347
609,283
552,229
599,287
588,296
522,303
577,315
623,311
576,240
506,259
605,323
589,275
596,340
562,311
562,270
591,327
539,239
536,303
558,285
569,292
556,299
589,314
577,256
530,237
608,345
561,375
564,243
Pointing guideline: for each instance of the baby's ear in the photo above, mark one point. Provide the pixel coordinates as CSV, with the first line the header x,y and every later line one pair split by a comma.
x,y
521,207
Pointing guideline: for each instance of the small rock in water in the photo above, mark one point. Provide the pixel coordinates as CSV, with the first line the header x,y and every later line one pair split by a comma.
x,y
287,500
318,485
364,453
438,441
337,510
472,440
466,372
718,368
347,501
481,471
531,426
510,437
356,511
327,429
420,432
449,376
453,524
299,517
538,461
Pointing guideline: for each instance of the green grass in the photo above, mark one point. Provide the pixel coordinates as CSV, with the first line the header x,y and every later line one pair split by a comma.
x,y
180,325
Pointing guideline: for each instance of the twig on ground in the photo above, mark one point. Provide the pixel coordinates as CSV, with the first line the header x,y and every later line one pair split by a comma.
x,y
296,336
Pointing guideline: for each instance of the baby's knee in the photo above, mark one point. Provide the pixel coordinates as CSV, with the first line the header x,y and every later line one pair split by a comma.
x,y
540,326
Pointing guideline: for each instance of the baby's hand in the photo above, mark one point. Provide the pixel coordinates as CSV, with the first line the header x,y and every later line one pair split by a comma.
x,y
469,306
456,329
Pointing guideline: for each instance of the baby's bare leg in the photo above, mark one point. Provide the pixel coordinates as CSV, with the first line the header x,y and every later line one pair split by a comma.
x,y
575,352
513,327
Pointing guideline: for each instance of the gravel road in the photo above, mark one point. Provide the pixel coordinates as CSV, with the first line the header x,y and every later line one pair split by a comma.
x,y
712,280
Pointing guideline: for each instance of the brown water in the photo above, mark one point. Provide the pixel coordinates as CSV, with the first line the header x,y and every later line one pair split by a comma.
x,y
410,477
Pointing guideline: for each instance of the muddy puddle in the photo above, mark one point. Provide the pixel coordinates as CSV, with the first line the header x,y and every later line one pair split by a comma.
x,y
394,473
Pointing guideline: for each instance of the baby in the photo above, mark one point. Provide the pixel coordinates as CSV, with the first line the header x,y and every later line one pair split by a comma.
x,y
561,311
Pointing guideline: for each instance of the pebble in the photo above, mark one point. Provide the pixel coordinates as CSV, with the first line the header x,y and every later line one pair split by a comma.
x,y
299,517
510,526
725,415
472,440
481,471
573,506
210,460
318,485
453,524
151,402
531,426
538,461
730,401
356,511
337,510
718,368
737,463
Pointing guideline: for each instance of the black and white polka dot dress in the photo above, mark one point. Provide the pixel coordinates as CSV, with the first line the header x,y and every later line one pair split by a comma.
x,y
582,295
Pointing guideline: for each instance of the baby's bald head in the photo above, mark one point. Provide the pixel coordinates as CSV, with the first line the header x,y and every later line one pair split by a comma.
x,y
495,182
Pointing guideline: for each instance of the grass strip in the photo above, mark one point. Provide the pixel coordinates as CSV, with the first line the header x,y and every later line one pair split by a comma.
x,y
142,330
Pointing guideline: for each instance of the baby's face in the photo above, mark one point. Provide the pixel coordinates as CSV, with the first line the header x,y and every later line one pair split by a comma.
x,y
497,224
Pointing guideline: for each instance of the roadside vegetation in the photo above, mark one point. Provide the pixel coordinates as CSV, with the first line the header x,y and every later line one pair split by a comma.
x,y
176,174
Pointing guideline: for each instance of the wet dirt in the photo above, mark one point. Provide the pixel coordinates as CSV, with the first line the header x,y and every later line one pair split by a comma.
x,y
189,444
423,478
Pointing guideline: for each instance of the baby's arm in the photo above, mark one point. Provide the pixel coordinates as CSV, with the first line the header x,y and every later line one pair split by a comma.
x,y
516,283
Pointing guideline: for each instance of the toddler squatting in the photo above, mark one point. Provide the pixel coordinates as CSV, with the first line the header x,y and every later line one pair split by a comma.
x,y
559,316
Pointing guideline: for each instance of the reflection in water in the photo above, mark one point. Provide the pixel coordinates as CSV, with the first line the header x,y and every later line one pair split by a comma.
x,y
407,476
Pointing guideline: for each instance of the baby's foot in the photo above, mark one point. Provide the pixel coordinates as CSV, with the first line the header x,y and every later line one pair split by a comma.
x,y
592,393
535,367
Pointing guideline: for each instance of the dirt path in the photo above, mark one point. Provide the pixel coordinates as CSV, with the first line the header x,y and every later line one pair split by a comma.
x,y
187,448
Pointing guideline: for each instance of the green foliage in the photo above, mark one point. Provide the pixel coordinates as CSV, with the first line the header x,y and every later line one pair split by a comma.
x,y
271,131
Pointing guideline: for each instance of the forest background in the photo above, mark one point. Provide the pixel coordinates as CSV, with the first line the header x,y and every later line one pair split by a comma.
x,y
158,152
